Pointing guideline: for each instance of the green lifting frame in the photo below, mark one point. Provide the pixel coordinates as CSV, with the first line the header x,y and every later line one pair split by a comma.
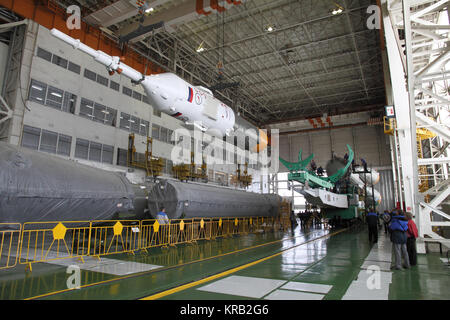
x,y
298,171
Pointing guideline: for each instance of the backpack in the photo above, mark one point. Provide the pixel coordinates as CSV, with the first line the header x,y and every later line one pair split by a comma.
x,y
386,218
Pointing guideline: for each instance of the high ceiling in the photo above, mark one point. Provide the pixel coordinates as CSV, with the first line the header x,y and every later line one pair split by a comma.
x,y
312,63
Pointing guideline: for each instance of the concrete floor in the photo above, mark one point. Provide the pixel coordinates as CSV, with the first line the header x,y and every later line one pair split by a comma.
x,y
313,264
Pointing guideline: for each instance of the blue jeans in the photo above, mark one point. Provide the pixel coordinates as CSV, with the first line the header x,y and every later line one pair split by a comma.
x,y
399,252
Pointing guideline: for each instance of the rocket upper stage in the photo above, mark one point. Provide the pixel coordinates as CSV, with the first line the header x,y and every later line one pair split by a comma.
x,y
176,97
167,92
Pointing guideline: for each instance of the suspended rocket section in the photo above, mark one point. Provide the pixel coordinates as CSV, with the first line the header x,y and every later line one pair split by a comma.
x,y
195,105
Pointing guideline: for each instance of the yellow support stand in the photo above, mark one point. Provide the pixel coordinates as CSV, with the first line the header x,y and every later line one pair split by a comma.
x,y
389,125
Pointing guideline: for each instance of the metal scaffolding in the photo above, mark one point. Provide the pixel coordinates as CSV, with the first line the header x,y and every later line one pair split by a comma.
x,y
417,44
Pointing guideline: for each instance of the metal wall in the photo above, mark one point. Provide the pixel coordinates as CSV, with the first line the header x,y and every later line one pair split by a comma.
x,y
386,189
3,60
367,142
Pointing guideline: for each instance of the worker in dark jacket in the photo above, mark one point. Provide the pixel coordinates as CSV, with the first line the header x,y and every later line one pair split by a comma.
x,y
398,228
372,222
313,165
386,219
320,171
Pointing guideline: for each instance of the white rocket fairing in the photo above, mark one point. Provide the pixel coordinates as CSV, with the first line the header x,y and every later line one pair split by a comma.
x,y
193,105
168,93
371,178
374,176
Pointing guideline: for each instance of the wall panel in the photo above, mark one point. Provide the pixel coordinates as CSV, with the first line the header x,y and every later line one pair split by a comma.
x,y
367,142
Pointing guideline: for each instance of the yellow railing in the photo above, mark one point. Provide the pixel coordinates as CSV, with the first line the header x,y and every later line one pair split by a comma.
x,y
9,244
154,234
113,237
49,241
181,231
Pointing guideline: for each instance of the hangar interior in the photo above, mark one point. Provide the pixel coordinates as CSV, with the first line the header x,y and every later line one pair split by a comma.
x,y
267,130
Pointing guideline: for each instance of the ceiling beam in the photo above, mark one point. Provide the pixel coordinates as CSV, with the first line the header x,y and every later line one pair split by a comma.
x,y
304,117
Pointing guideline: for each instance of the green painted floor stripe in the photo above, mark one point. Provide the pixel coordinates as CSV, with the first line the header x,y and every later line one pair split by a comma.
x,y
166,268
230,271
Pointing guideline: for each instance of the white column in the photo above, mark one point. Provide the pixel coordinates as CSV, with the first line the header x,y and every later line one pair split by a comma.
x,y
402,111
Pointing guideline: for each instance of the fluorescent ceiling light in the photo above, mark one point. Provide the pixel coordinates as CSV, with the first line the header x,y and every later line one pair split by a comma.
x,y
337,10
200,48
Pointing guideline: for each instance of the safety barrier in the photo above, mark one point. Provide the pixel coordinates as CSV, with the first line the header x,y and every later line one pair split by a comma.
x,y
217,229
201,229
48,241
154,234
181,231
113,237
9,244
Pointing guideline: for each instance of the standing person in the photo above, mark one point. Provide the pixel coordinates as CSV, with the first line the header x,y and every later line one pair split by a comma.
x,y
293,219
412,234
320,171
378,220
364,164
313,165
162,216
398,228
386,219
372,222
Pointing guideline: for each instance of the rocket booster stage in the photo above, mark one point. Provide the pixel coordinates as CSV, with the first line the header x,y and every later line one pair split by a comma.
x,y
172,95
